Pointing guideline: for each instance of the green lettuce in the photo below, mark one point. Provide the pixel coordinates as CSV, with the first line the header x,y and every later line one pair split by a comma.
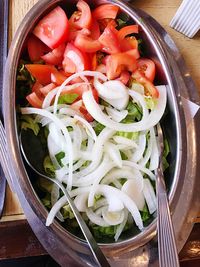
x,y
48,166
67,98
28,122
59,156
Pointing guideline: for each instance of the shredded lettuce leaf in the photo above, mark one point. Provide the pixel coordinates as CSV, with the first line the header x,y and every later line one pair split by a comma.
x,y
67,98
59,156
28,122
48,166
151,102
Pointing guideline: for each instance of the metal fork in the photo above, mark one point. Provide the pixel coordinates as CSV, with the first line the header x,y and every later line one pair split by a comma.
x,y
4,159
187,18
168,256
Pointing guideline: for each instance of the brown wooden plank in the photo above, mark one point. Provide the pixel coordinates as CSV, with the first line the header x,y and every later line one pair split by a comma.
x,y
17,240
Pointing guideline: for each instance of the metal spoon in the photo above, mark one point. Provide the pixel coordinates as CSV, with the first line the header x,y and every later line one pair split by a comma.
x,y
33,152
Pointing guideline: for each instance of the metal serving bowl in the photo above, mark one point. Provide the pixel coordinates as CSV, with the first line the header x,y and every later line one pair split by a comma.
x,y
133,250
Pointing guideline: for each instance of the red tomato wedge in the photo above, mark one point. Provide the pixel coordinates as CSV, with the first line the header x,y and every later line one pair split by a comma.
x,y
129,43
74,59
55,57
87,44
53,28
147,67
81,18
150,89
36,88
124,77
110,41
42,73
58,77
106,11
119,62
36,48
34,100
95,30
46,89
134,53
130,29
74,32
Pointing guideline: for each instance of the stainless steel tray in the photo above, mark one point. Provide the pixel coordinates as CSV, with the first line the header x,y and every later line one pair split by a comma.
x,y
140,250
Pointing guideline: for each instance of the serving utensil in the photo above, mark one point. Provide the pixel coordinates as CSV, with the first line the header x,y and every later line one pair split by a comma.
x,y
33,153
187,18
3,54
168,255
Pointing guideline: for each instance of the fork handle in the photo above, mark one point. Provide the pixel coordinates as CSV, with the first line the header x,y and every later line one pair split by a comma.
x,y
168,256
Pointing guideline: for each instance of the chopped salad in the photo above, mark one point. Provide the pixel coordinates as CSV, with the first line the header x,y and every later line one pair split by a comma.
x,y
85,86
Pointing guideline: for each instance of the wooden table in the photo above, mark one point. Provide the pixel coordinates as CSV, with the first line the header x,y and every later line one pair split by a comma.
x,y
13,220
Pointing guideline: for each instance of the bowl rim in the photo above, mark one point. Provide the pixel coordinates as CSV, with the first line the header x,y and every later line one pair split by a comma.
x,y
14,152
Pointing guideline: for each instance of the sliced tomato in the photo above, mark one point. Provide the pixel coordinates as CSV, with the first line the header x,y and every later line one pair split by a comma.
x,y
87,44
129,43
53,28
150,89
119,62
106,11
147,67
109,40
130,29
124,77
74,59
58,77
103,23
93,61
36,48
46,89
81,18
34,100
36,88
55,57
42,73
74,32
95,30
134,53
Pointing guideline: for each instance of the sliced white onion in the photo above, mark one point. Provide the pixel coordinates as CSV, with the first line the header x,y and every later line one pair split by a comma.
x,y
113,218
143,161
133,190
152,119
96,74
109,191
154,160
96,176
113,153
125,141
125,172
150,196
111,89
55,193
55,209
116,115
139,167
97,152
91,131
138,153
96,219
65,132
120,228
81,202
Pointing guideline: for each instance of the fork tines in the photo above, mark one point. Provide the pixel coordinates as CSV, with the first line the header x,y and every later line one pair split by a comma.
x,y
187,18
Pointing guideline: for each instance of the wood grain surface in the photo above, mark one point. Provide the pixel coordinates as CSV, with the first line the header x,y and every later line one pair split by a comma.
x,y
161,10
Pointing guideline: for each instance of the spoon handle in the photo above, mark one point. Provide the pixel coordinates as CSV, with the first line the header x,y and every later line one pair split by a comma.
x,y
96,251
